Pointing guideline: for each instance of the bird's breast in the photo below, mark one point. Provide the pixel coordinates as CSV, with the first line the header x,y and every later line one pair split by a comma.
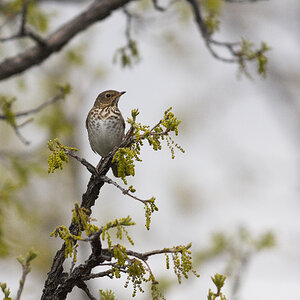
x,y
105,134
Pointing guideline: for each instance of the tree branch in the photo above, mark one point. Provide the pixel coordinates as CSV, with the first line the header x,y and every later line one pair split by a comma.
x,y
97,11
20,136
207,37
52,100
84,162
124,191
24,30
82,285
25,271
16,127
98,275
58,284
144,256
160,8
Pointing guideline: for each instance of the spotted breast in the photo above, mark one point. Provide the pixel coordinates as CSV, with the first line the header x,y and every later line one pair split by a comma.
x,y
105,129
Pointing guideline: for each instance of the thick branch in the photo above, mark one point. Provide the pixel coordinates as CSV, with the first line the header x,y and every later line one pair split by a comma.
x,y
99,10
58,283
82,285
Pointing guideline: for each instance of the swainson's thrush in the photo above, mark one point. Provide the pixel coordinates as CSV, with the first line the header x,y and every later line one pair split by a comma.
x,y
105,124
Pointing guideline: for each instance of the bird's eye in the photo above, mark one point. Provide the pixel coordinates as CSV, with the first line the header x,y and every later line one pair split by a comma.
x,y
107,95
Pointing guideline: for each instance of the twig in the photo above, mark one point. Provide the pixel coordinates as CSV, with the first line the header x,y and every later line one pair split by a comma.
x,y
160,8
207,37
146,255
124,191
28,112
23,17
237,278
25,123
24,30
20,136
129,17
101,274
52,100
25,271
84,162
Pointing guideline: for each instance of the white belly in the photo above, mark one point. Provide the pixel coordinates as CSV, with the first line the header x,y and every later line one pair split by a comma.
x,y
105,135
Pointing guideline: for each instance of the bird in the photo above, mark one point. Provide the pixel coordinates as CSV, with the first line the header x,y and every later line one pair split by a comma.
x,y
105,124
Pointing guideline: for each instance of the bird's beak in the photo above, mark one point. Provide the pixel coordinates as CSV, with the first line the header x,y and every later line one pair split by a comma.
x,y
122,93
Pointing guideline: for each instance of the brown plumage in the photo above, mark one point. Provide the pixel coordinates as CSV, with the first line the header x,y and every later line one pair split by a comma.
x,y
105,124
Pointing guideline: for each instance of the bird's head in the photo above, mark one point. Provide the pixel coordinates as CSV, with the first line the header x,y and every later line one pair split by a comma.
x,y
108,98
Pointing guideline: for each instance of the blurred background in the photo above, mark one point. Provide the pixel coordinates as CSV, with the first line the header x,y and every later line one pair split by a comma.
x,y
234,193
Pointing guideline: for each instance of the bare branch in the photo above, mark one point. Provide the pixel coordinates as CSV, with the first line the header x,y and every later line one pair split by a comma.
x,y
97,11
20,136
84,162
98,275
160,8
237,278
124,191
16,127
207,37
52,100
25,271
128,27
144,256
24,30
23,17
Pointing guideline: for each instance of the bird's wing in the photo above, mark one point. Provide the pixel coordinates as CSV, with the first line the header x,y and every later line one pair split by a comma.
x,y
86,121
